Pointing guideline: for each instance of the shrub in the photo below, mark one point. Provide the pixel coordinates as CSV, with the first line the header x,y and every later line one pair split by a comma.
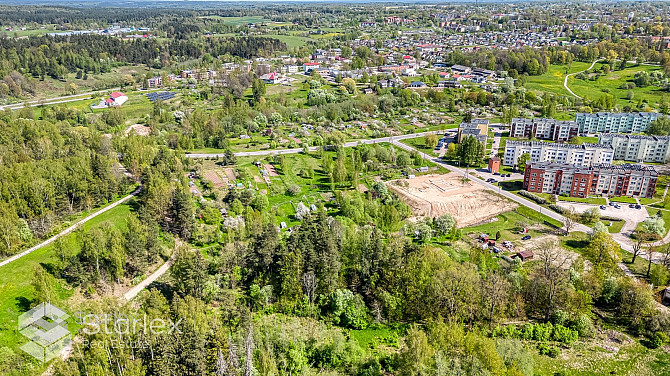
x,y
557,208
559,317
584,326
565,335
542,332
551,351
658,339
533,197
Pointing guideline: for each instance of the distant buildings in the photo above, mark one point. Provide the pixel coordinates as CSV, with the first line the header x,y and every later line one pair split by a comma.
x,y
154,82
116,99
271,78
615,122
543,128
634,148
610,180
479,128
577,155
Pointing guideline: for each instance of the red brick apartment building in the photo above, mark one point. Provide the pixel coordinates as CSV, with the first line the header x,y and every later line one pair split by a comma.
x,y
609,180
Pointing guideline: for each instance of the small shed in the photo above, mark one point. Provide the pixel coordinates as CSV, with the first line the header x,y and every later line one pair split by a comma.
x,y
525,255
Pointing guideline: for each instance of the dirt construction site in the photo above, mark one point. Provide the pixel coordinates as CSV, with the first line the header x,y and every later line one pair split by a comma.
x,y
433,195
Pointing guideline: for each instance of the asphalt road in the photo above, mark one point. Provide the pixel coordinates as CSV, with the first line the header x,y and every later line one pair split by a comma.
x,y
260,153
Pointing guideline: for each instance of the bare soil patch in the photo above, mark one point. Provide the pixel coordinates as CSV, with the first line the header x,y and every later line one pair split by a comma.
x,y
434,195
272,171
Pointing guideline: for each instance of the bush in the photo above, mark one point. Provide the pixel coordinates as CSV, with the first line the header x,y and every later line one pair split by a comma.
x,y
293,190
584,326
533,197
542,332
565,335
559,317
557,208
658,340
551,351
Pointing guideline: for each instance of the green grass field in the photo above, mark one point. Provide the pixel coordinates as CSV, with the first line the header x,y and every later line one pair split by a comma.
x,y
588,200
594,89
16,293
552,80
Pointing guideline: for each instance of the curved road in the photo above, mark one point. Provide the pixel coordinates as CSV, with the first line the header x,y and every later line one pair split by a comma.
x,y
349,144
69,229
565,80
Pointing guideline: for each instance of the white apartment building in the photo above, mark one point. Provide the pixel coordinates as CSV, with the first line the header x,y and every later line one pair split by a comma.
x,y
543,128
576,155
615,122
636,148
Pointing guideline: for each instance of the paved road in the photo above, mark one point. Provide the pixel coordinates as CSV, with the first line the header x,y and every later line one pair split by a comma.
x,y
491,187
69,229
63,99
260,153
565,81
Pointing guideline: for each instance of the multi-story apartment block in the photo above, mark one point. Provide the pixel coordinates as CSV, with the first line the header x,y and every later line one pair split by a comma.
x,y
615,122
578,155
543,128
636,148
477,127
610,180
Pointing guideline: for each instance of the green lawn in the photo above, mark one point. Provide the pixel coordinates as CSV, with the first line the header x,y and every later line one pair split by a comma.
x,y
588,200
666,217
590,359
15,290
627,200
552,80
592,90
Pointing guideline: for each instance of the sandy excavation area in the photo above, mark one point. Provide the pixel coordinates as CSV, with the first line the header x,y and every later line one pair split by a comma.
x,y
434,195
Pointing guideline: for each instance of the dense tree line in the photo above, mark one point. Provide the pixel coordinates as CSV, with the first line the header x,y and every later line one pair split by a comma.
x,y
50,171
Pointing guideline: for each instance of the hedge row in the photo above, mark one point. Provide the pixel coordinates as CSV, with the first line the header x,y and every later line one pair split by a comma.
x,y
531,196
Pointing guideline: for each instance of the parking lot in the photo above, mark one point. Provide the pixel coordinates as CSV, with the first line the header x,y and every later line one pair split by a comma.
x,y
631,216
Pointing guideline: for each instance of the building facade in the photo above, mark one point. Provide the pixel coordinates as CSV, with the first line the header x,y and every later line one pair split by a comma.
x,y
634,148
608,180
543,128
615,122
579,155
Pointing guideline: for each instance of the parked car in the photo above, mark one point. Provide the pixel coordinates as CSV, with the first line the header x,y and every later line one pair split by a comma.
x,y
611,203
603,207
617,206
638,206
631,206
527,237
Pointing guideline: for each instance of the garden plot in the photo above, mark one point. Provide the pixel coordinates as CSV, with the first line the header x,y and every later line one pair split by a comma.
x,y
216,179
434,195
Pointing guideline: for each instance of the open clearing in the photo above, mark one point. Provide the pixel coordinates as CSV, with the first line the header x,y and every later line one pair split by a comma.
x,y
434,195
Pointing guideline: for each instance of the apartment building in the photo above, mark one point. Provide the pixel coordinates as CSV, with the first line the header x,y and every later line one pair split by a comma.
x,y
477,127
615,122
543,128
578,155
637,148
607,180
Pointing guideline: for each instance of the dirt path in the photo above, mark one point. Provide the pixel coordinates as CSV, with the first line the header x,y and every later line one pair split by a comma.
x,y
565,80
133,292
69,229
